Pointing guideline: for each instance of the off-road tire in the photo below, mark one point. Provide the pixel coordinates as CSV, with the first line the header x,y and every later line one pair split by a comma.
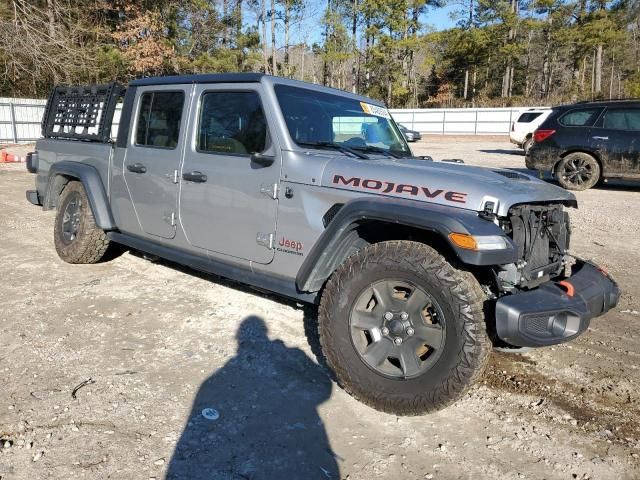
x,y
527,145
90,242
585,163
466,344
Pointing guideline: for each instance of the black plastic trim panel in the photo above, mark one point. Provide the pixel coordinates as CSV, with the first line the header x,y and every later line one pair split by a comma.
x,y
32,197
440,219
32,162
93,186
262,281
551,314
125,118
204,78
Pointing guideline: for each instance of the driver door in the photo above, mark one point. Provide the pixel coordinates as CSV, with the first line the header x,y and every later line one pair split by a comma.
x,y
228,201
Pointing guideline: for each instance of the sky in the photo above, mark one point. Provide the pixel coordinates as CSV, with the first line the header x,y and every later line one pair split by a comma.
x,y
309,29
440,18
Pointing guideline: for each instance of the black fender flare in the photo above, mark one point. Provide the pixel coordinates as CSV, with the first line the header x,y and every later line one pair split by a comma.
x,y
61,173
330,249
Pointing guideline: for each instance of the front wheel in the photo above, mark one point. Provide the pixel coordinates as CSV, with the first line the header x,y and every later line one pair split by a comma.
x,y
402,329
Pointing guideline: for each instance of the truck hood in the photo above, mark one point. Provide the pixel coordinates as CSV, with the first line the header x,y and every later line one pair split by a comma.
x,y
444,183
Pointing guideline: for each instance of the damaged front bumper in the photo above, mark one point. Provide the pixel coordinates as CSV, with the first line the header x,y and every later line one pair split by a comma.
x,y
556,312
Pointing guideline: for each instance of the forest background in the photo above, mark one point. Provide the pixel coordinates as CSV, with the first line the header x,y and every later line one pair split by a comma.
x,y
484,52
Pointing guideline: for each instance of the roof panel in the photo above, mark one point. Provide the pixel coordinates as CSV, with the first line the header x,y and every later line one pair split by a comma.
x,y
244,78
202,78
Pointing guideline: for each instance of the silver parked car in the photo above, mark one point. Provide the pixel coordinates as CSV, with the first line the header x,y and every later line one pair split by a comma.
x,y
417,268
410,135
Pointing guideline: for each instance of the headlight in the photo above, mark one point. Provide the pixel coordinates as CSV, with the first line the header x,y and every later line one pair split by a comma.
x,y
479,242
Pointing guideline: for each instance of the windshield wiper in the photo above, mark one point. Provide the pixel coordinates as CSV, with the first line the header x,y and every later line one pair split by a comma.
x,y
370,148
334,146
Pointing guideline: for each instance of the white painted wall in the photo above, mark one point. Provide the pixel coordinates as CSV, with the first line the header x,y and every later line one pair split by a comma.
x,y
21,117
458,121
27,114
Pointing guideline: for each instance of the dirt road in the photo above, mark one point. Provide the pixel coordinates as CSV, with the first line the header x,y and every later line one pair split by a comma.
x,y
132,369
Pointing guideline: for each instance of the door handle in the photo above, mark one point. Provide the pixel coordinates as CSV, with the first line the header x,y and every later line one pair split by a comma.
x,y
197,177
600,138
137,168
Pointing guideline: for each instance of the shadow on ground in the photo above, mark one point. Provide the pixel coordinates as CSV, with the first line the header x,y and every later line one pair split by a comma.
x,y
267,397
504,151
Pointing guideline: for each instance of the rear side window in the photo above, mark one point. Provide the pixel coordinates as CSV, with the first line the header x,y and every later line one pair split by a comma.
x,y
159,119
622,119
528,117
580,118
232,123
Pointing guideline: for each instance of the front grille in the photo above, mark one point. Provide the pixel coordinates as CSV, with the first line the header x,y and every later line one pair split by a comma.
x,y
541,233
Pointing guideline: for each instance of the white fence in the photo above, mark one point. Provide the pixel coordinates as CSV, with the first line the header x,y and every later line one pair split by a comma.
x,y
458,121
20,120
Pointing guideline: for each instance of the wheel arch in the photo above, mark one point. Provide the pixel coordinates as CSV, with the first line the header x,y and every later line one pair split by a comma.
x,y
61,173
450,305
364,221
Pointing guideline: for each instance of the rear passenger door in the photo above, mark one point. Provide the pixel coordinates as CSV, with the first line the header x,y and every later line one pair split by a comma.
x,y
153,156
228,201
577,124
617,137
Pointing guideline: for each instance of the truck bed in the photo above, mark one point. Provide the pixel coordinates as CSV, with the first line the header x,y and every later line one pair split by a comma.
x,y
50,151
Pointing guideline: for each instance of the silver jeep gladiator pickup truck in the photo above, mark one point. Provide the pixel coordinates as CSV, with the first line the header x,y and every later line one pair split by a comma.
x,y
418,268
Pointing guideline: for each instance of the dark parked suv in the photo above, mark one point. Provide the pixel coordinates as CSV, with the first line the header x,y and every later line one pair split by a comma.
x,y
584,143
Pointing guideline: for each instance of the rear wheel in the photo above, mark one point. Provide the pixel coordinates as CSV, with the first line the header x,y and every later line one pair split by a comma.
x,y
578,171
527,145
402,329
76,236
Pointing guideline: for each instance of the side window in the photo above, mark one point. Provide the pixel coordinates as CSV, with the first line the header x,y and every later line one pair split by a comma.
x,y
232,122
528,117
580,118
159,119
622,119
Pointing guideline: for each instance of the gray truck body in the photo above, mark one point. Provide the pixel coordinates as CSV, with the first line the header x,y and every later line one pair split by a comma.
x,y
285,227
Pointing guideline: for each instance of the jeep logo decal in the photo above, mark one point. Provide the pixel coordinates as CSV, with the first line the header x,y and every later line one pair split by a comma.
x,y
402,188
287,245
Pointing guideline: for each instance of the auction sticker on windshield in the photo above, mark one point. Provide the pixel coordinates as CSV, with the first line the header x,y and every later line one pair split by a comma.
x,y
375,110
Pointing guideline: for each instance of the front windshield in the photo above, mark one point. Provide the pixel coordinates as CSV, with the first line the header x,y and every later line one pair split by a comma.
x,y
315,117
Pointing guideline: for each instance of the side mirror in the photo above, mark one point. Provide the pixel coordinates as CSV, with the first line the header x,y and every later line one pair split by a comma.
x,y
262,159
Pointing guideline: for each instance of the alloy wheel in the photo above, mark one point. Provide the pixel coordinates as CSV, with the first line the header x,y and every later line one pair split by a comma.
x,y
71,218
397,328
578,171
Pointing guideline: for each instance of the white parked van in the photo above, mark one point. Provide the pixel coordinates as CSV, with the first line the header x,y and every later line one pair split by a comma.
x,y
522,129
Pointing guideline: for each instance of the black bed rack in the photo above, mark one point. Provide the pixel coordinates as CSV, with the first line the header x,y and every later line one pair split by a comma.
x,y
81,112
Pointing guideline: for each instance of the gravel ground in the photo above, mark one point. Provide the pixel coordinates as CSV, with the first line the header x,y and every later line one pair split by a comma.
x,y
112,371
